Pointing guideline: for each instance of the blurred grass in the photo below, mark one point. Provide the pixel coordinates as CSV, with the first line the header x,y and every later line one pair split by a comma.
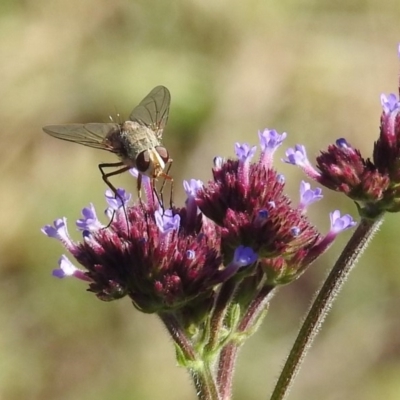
x,y
312,68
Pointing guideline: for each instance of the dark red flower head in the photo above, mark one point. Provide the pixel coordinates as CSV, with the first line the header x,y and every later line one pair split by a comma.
x,y
373,184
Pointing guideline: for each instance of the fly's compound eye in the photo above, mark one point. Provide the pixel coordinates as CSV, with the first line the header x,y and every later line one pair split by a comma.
x,y
143,161
163,153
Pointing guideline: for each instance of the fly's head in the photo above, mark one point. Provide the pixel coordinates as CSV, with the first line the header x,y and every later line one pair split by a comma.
x,y
152,162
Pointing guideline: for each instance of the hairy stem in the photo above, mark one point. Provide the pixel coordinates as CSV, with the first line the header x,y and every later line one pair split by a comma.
x,y
228,357
322,304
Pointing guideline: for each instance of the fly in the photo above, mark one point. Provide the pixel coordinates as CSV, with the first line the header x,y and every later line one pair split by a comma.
x,y
137,142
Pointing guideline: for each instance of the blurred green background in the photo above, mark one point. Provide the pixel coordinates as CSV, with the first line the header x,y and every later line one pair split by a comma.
x,y
312,68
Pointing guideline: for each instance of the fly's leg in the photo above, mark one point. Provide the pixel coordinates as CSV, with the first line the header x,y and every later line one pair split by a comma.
x,y
111,186
167,178
160,200
139,190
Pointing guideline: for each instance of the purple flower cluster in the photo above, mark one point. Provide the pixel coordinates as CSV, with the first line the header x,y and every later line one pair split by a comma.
x,y
374,184
238,225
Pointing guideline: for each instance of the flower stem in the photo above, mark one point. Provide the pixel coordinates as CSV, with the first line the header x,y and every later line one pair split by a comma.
x,y
204,382
323,303
219,313
199,369
227,361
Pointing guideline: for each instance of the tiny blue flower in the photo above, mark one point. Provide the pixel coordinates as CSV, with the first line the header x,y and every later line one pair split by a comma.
x,y
263,214
89,222
296,156
342,143
339,224
308,196
244,256
389,103
190,254
244,152
270,140
191,187
295,231
167,222
59,231
114,201
66,268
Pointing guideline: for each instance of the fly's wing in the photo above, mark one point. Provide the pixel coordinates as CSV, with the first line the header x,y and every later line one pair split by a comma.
x,y
153,110
92,135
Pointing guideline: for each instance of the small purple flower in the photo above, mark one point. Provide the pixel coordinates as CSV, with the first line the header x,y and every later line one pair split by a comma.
x,y
295,231
298,157
308,196
191,187
263,214
343,143
60,232
244,256
244,152
270,140
190,254
389,103
166,221
340,224
119,200
66,268
89,222
262,217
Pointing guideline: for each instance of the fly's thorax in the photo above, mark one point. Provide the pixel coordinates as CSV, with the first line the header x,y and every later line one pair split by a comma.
x,y
130,140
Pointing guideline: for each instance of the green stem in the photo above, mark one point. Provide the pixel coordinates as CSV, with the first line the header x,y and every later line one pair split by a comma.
x,y
323,303
219,312
179,336
199,369
227,361
205,383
